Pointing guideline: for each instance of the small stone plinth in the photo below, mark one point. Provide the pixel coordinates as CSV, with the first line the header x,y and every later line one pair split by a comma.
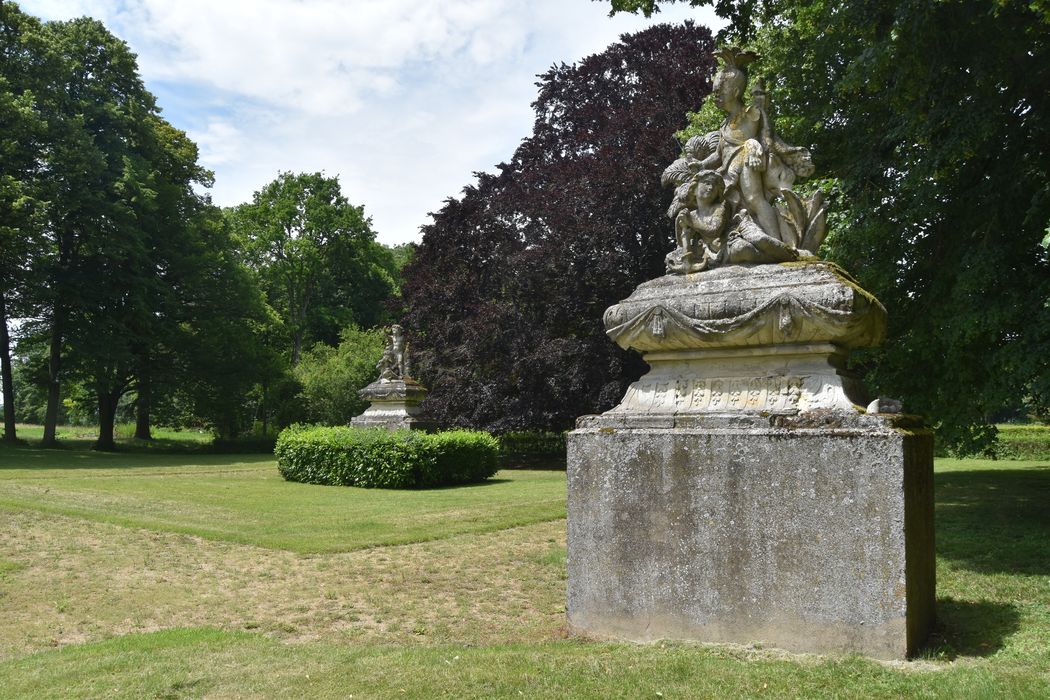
x,y
812,532
395,404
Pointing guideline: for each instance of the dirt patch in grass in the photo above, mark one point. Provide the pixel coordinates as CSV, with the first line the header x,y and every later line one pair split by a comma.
x,y
72,581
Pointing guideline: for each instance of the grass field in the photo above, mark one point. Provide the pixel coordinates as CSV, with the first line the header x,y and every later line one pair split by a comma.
x,y
243,499
135,575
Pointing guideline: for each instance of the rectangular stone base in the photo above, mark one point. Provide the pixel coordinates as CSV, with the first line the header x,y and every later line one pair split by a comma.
x,y
392,422
813,539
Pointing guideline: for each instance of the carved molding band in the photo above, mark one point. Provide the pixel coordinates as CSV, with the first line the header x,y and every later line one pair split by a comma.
x,y
694,395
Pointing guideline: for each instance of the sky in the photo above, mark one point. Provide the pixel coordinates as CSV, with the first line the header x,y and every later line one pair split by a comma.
x,y
403,100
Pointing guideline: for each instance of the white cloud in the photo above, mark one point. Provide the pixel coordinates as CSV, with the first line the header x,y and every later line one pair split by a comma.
x,y
220,143
403,99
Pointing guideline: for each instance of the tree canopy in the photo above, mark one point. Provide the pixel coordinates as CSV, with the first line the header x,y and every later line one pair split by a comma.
x,y
508,287
133,293
316,257
929,122
125,276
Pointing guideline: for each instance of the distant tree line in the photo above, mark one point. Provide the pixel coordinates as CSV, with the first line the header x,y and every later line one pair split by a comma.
x,y
133,293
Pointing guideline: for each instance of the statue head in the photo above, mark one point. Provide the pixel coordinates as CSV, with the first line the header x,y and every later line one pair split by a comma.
x,y
710,187
728,86
731,79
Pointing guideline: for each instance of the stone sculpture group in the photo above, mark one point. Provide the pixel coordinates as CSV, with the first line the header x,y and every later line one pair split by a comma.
x,y
395,397
733,202
394,362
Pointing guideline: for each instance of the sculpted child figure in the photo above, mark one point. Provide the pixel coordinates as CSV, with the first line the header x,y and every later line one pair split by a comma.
x,y
700,218
394,362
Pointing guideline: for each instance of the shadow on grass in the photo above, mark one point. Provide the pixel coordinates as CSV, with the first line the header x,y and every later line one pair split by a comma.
x,y
970,628
995,520
471,485
554,464
75,456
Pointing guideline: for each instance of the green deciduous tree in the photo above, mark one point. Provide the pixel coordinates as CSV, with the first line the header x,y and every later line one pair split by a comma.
x,y
134,273
934,121
97,112
21,128
331,377
316,257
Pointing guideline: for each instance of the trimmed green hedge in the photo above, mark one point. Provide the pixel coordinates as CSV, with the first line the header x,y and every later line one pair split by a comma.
x,y
532,450
1030,441
379,458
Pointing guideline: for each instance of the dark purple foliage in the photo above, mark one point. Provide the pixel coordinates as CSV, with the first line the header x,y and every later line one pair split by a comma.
x,y
508,288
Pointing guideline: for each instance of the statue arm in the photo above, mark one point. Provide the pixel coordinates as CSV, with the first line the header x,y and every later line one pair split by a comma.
x,y
795,157
718,218
714,159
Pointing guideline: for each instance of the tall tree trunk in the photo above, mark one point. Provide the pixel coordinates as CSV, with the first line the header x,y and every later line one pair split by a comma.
x,y
265,409
142,400
5,370
107,414
297,346
53,367
226,430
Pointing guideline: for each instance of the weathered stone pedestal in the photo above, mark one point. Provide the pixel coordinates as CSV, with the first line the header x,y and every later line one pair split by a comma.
x,y
740,493
395,403
815,538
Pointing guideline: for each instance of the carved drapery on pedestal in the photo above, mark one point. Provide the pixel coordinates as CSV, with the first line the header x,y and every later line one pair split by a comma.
x,y
762,339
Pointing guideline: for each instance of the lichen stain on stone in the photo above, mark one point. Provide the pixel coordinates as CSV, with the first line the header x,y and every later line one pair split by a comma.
x,y
839,272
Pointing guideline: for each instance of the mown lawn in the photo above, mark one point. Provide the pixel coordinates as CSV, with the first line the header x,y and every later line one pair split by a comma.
x,y
243,499
196,575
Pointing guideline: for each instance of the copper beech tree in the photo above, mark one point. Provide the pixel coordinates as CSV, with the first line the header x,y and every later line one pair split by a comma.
x,y
508,286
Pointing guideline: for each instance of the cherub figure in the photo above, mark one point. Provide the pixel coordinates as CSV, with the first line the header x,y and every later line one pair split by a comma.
x,y
394,362
700,216
387,364
400,349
